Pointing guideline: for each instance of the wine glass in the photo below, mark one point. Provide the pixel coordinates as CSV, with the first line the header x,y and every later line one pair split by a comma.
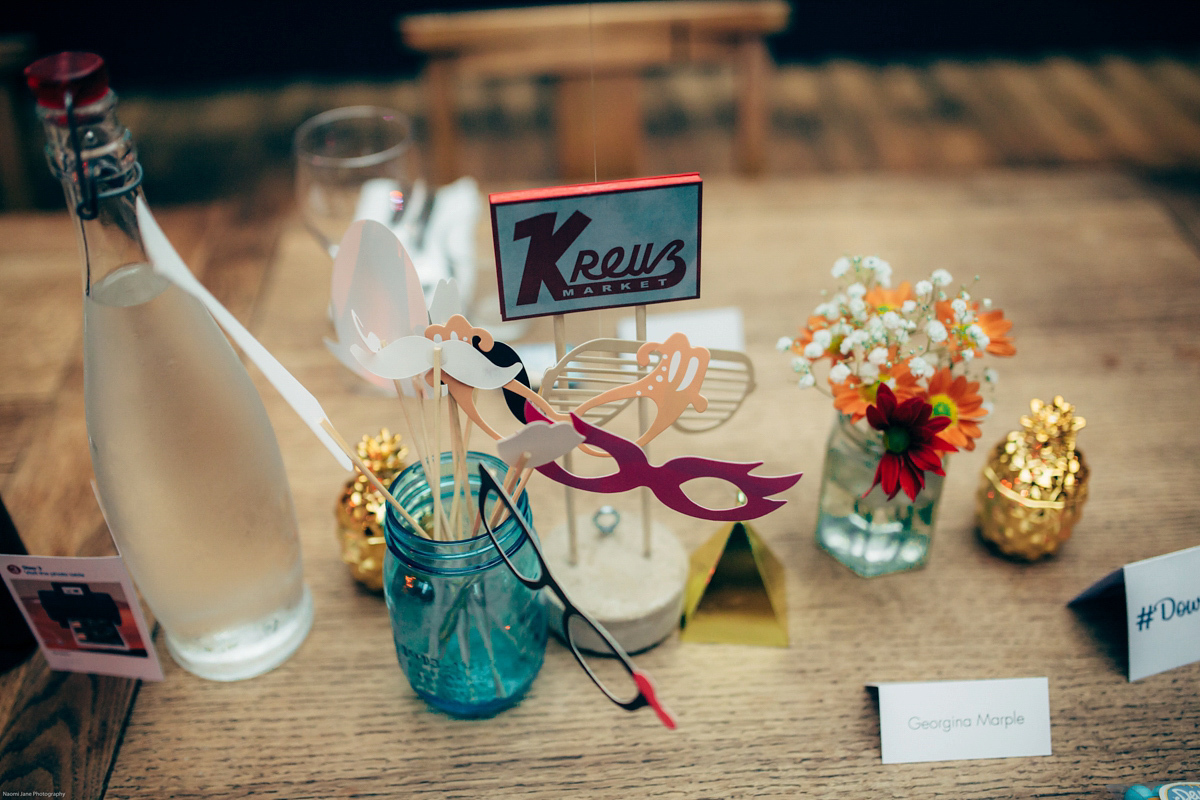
x,y
352,163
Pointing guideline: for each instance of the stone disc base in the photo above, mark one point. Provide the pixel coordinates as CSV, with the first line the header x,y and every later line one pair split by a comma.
x,y
638,600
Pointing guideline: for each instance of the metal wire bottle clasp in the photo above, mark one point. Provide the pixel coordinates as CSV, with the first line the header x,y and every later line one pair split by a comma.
x,y
89,174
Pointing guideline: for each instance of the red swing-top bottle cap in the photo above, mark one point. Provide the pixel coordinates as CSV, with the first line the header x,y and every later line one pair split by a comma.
x,y
82,74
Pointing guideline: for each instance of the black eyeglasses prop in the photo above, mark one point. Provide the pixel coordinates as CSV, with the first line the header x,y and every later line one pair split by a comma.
x,y
639,681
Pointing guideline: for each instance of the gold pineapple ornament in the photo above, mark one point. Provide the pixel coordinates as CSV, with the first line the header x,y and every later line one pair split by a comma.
x,y
1034,484
361,509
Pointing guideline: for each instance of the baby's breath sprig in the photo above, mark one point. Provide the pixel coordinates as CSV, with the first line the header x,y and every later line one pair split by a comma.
x,y
916,339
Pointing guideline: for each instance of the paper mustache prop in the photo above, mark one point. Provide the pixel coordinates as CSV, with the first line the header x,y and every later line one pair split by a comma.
x,y
410,356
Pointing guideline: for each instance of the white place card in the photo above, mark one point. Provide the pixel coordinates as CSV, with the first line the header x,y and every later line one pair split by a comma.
x,y
955,720
714,328
84,613
1162,610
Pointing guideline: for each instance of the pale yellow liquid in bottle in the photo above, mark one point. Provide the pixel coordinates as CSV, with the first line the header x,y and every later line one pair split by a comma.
x,y
191,478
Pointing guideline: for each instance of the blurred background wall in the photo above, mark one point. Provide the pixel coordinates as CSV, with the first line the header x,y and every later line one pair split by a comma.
x,y
213,91
162,46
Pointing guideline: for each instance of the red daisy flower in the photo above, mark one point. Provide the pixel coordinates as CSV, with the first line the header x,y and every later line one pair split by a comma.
x,y
910,442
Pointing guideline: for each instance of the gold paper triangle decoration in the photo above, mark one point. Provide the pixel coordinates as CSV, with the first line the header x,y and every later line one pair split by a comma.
x,y
735,591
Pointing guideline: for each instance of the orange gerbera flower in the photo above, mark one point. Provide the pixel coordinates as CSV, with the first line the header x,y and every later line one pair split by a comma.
x,y
852,396
992,322
997,327
959,400
882,299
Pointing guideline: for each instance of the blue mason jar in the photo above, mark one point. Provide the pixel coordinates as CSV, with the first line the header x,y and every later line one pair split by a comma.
x,y
469,635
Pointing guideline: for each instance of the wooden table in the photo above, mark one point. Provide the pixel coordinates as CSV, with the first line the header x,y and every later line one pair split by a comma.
x,y
1103,285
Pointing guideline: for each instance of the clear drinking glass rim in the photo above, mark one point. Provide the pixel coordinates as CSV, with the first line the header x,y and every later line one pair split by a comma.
x,y
351,112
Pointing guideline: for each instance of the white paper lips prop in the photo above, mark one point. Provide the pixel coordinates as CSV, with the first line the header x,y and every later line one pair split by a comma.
x,y
542,440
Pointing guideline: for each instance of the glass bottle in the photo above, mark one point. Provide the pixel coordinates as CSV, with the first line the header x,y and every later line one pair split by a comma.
x,y
866,531
188,469
469,635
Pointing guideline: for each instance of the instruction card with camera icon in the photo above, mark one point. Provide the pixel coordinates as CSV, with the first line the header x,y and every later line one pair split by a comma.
x,y
84,613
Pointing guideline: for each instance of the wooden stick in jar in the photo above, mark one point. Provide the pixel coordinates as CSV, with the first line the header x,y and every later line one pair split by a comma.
x,y
371,476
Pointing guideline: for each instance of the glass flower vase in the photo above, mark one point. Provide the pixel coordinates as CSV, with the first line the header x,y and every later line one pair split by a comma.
x,y
864,530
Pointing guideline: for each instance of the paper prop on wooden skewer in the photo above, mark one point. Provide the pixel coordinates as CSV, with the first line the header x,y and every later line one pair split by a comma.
x,y
374,295
673,385
446,353
385,334
410,356
683,381
516,391
606,245
166,261
538,443
380,318
693,389
666,480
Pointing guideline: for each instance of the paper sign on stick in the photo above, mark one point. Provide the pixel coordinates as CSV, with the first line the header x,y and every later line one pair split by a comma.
x,y
84,613
598,245
1162,610
956,720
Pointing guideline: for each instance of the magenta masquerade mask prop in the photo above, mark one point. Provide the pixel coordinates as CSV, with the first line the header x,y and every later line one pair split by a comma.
x,y
666,481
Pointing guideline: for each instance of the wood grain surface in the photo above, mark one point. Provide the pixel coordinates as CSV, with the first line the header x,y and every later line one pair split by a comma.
x,y
1102,284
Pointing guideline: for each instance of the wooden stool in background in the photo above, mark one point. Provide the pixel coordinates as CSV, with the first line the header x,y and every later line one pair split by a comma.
x,y
15,54
616,41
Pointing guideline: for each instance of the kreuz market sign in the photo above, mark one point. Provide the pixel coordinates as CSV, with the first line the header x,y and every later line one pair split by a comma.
x,y
598,245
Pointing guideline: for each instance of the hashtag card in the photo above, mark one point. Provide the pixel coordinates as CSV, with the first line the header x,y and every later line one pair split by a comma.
x,y
1162,610
597,245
